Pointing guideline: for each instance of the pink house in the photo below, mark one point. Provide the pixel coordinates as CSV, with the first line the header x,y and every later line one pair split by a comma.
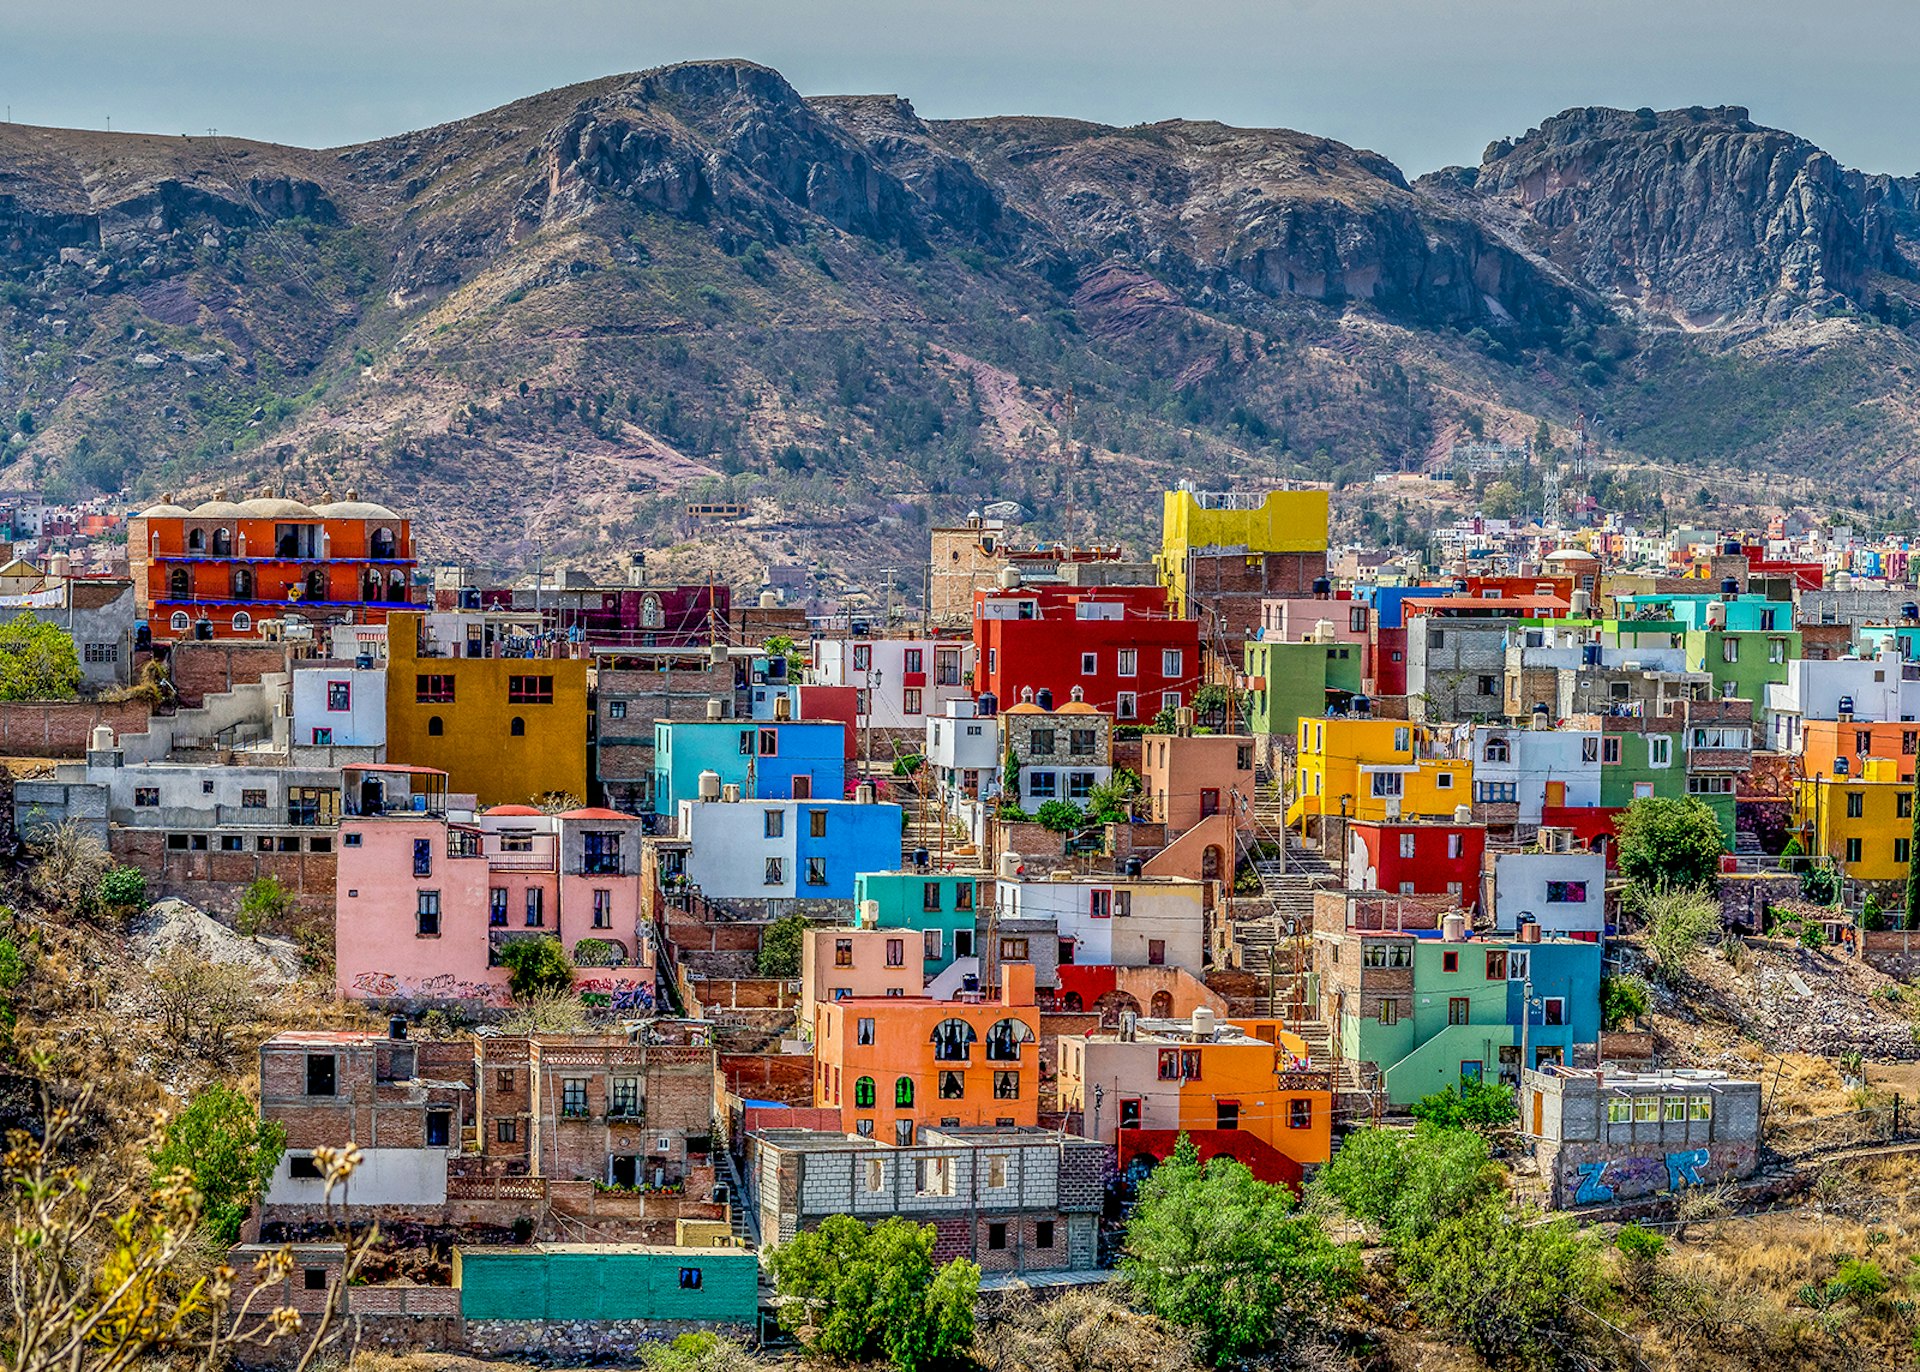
x,y
424,903
843,961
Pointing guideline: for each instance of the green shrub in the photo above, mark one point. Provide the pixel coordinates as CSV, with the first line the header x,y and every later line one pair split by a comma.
x,y
265,901
1472,1104
1639,1245
536,965
1622,1000
1060,816
122,889
230,1152
780,945
867,1292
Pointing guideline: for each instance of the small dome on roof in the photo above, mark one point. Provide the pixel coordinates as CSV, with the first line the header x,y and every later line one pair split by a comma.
x,y
1076,707
527,811
166,509
277,507
217,509
354,509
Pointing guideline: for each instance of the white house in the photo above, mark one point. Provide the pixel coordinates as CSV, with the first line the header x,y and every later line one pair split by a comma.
x,y
1120,922
1535,767
1872,690
340,706
903,682
1565,893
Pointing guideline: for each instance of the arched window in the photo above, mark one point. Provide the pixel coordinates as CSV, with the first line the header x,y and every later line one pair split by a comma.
x,y
180,623
903,1091
1004,1040
650,616
952,1041
178,583
1162,1005
518,728
242,622
222,543
196,540
317,584
370,589
383,543
863,1093
1496,750
396,586
242,583
435,728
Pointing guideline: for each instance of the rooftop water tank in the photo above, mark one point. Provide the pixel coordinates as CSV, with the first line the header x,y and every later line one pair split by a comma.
x,y
709,786
716,710
1202,1024
1360,706
1729,587
1131,868
869,914
865,793
988,705
922,859
1463,814
769,599
1009,578
1454,927
1322,586
1011,867
1582,604
1043,698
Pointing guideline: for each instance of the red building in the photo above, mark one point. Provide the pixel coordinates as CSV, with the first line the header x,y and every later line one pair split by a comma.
x,y
1417,859
1118,644
220,568
1387,660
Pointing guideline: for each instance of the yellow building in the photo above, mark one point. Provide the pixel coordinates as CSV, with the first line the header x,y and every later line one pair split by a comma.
x,y
505,729
1375,769
1864,823
1194,521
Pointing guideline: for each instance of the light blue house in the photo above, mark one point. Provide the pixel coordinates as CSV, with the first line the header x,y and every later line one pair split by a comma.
x,y
1745,614
939,906
766,759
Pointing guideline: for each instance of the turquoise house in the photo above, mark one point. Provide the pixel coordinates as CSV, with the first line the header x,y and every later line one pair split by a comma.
x,y
766,759
939,906
610,1281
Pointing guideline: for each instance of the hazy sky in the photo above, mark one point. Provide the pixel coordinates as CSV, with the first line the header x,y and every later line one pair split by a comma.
x,y
1427,82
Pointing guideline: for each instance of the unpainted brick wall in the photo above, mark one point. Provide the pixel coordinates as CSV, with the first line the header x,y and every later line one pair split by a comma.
x,y
200,669
65,729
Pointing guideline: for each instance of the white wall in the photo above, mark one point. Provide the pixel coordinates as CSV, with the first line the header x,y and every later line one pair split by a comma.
x,y
1520,882
1536,757
1169,910
363,724
883,678
730,848
385,1176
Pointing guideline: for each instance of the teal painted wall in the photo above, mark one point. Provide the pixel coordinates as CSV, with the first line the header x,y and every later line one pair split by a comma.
x,y
593,1282
902,897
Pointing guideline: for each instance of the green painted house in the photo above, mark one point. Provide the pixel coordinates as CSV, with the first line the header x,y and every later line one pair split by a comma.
x,y
929,903
1292,681
609,1281
1743,662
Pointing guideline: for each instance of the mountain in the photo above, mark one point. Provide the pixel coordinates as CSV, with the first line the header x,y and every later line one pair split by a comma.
x,y
546,327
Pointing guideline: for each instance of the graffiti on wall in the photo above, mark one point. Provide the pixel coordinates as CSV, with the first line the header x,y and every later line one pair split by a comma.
x,y
386,986
621,996
1600,1182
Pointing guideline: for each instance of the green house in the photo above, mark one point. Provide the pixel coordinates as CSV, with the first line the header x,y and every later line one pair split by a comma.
x,y
929,903
1293,680
608,1281
1743,662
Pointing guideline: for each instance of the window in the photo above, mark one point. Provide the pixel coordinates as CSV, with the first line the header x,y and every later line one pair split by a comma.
x,y
536,907
1385,784
863,1098
689,1279
1673,1109
1589,749
1660,751
517,727
1903,805
436,728
339,696
1646,1109
1130,1114
242,621
616,709
1553,1010
320,1074
1488,685
769,743
1450,962
497,906
903,1092
1040,743
433,690
601,853
146,797
1172,663
1610,750
1776,650
1299,1113
1080,786
1013,949
912,701
914,660
1169,700
1389,1011
322,738
1406,845
1497,966
862,657
180,623
1566,893
1496,792
103,652
1126,705
816,871
602,908
1089,664
1043,1233
963,895
1156,952
573,1096
507,1131
1459,1010
303,1167
953,1086
843,952
1710,786
1006,1086
996,1236
1436,638
439,1128
816,823
863,1031
529,690
1620,1110
1856,804
423,857
1043,785
1456,845
774,874
1853,850
1729,650
625,1097
1100,904
896,952
1226,1114
313,1278
933,945
1516,966
1902,848
930,897
1699,1107
1081,742
427,914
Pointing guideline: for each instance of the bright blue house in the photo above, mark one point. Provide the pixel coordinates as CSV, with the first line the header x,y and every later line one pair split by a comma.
x,y
766,759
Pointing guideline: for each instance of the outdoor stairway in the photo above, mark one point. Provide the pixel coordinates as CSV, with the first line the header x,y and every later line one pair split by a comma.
x,y
746,1222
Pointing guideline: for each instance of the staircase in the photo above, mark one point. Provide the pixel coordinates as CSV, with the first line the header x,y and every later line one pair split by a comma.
x,y
740,1209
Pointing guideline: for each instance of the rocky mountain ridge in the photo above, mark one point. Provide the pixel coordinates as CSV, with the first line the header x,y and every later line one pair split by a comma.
x,y
553,320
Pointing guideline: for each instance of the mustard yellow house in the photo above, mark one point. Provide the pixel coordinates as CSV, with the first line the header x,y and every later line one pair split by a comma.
x,y
1375,769
506,729
1192,521
1864,823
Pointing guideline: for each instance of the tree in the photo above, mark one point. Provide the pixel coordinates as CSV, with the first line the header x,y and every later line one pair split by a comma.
x,y
201,1000
1514,1290
1622,1000
1111,802
1010,779
265,901
1213,1247
1470,1105
1404,1183
780,645
535,965
122,889
37,660
1060,816
700,1351
221,1142
855,1292
1670,842
1677,923
780,945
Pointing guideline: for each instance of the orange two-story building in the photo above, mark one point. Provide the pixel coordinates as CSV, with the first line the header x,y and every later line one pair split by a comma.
x,y
220,568
1242,1089
890,1064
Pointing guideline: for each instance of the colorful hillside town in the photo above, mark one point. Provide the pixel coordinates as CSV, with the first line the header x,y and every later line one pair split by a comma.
x,y
665,923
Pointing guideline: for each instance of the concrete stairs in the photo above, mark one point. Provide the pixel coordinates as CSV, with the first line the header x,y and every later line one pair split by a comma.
x,y
740,1209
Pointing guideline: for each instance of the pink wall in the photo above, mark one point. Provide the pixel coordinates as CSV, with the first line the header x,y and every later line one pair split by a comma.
x,y
1180,768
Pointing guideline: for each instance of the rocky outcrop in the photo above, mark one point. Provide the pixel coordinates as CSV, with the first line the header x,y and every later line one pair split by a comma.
x,y
1700,215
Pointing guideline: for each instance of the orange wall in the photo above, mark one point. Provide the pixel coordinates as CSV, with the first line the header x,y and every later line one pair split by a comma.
x,y
1174,770
1822,740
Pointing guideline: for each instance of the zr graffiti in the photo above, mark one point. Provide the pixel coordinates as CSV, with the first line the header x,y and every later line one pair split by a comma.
x,y
1600,1181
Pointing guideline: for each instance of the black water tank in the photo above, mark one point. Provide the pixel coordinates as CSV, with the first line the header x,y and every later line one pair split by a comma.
x,y
1043,698
1731,547
397,1027
1322,586
1131,867
1729,587
921,858
859,627
1590,654
203,628
1910,610
989,704
777,667
1360,705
